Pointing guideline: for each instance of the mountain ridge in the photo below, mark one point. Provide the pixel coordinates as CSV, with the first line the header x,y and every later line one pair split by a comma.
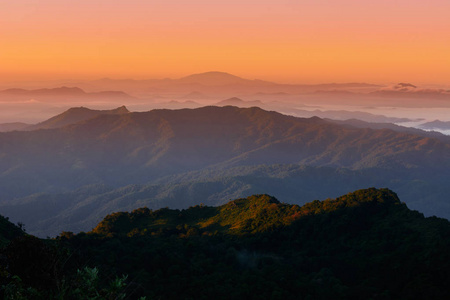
x,y
361,245
356,246
118,150
75,115
233,135
59,94
238,216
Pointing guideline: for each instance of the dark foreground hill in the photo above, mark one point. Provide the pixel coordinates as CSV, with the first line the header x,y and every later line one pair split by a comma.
x,y
8,231
364,245
80,210
63,175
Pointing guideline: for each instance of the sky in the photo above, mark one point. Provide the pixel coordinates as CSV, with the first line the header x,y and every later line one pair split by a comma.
x,y
303,41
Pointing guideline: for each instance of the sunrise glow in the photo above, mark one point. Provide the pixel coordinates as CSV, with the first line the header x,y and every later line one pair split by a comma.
x,y
290,41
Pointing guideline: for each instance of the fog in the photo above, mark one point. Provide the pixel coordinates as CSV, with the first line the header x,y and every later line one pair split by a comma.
x,y
402,104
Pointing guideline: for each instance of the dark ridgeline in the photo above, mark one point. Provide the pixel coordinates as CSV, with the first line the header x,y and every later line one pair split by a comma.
x,y
9,231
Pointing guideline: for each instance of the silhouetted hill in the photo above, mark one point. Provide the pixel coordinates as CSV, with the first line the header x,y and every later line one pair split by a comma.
x,y
74,115
214,79
239,102
8,231
5,127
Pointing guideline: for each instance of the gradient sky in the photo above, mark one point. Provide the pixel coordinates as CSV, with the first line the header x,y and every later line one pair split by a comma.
x,y
303,41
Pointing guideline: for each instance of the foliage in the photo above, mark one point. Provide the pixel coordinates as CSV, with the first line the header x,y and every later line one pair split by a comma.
x,y
37,269
363,245
80,210
8,231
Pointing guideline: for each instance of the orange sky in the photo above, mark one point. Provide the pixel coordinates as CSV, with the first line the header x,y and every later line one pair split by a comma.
x,y
297,41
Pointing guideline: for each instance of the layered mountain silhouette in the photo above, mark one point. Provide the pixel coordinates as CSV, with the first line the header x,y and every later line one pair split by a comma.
x,y
218,79
75,115
239,102
222,85
403,92
4,127
223,152
61,94
188,139
213,83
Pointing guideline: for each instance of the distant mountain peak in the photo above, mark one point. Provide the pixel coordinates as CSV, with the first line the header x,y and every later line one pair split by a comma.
x,y
213,78
213,74
75,109
239,102
234,99
195,95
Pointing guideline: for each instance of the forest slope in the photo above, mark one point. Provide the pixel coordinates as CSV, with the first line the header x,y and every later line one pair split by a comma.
x,y
366,244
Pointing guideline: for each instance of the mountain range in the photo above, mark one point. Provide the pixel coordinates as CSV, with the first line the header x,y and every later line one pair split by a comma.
x,y
75,115
212,83
63,94
239,102
90,163
436,124
281,107
221,85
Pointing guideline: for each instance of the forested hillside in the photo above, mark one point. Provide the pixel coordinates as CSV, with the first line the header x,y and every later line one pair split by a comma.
x,y
363,245
8,231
